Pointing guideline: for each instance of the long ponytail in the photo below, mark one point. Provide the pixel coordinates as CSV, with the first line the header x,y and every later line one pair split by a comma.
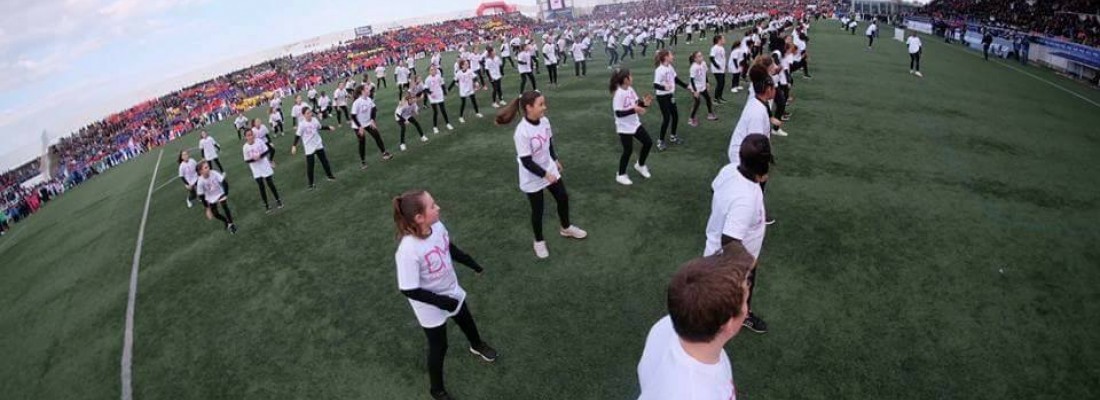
x,y
508,113
405,209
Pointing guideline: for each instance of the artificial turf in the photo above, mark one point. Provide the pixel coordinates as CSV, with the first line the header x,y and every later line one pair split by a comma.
x,y
936,238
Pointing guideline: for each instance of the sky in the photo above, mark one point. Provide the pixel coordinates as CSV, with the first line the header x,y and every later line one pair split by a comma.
x,y
65,63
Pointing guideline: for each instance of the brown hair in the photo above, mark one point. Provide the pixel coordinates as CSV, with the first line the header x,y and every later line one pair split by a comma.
x,y
660,56
617,79
706,292
405,209
508,113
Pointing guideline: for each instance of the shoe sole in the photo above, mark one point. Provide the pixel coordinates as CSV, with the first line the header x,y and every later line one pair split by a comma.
x,y
487,359
563,234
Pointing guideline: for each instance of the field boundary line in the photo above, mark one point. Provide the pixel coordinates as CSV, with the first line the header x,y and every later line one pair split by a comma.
x,y
1003,64
128,333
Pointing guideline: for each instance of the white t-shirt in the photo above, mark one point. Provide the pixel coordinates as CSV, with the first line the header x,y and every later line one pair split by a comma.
x,y
665,75
187,171
310,132
341,96
754,119
426,264
525,58
505,50
260,132
240,122
578,52
493,66
210,187
323,102
718,53
380,72
361,109
262,167
434,83
737,211
296,111
465,83
534,140
871,29
274,118
734,64
312,94
914,44
550,54
410,63
698,74
667,372
625,100
402,75
209,148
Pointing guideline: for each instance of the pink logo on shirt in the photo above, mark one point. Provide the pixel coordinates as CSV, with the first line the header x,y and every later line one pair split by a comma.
x,y
436,258
538,141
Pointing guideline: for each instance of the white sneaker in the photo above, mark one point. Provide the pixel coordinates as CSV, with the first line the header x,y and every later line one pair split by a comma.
x,y
540,250
461,120
403,147
423,138
910,72
190,204
643,170
435,130
779,132
918,74
623,179
574,232
479,115
496,105
450,128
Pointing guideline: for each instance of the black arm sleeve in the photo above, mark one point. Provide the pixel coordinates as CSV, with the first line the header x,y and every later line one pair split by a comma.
x,y
296,140
225,186
326,128
681,83
270,151
659,86
624,113
374,113
727,240
458,255
530,165
693,88
715,64
184,181
553,153
424,296
452,85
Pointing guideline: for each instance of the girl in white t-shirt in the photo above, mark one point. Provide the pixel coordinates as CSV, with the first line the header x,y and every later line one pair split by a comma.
x,y
467,89
275,118
698,86
309,134
189,174
213,189
525,61
665,81
628,107
258,154
433,88
539,167
426,275
210,148
405,114
495,67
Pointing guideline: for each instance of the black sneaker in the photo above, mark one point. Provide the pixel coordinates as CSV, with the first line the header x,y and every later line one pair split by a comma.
x,y
661,146
441,395
386,156
232,229
675,140
755,324
279,204
486,353
331,178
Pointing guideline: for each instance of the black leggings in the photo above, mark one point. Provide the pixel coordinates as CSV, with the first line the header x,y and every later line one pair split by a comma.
x,y
736,80
704,95
415,123
342,111
720,77
670,115
552,69
277,127
780,101
436,109
227,219
914,62
870,40
614,57
192,194
524,77
437,344
557,189
377,136
580,68
462,107
628,148
218,163
263,192
498,95
381,82
319,154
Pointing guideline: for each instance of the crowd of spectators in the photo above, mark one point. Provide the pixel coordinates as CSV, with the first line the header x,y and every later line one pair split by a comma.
x,y
1073,20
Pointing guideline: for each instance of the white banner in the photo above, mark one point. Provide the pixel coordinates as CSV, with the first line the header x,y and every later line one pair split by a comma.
x,y
919,26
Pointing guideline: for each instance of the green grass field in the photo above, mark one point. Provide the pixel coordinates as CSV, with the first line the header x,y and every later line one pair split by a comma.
x,y
900,200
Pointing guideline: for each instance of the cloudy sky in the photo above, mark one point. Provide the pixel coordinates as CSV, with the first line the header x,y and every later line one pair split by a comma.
x,y
64,63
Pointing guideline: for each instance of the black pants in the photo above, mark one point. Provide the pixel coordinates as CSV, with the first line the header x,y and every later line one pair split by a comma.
x,y
377,136
509,60
498,95
720,77
342,111
628,50
438,108
644,47
263,191
412,120
660,43
226,219
670,115
628,148
985,51
193,194
614,57
704,95
524,77
552,69
381,82
914,61
480,76
557,189
437,344
780,101
402,90
689,37
674,39
462,106
580,68
736,80
217,163
319,154
277,127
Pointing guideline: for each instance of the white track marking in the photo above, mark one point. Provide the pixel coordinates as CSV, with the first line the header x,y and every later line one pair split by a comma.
x,y
128,334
